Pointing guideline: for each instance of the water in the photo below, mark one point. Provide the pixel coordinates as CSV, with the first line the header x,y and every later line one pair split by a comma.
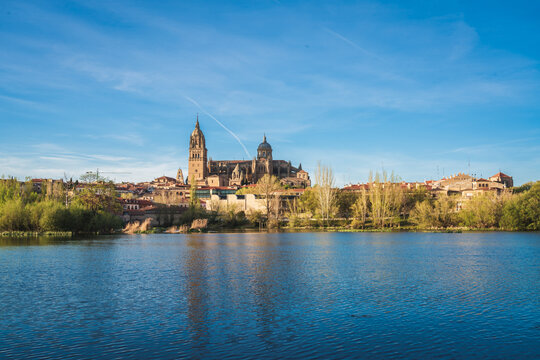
x,y
293,295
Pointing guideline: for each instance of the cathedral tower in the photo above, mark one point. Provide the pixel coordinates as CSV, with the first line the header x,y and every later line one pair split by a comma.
x,y
197,164
264,151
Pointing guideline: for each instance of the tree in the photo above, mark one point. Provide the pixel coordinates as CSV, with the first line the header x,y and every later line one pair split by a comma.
x,y
14,216
423,214
325,191
523,188
522,211
445,211
193,199
435,213
9,189
308,203
267,187
386,198
360,209
344,202
482,211
100,196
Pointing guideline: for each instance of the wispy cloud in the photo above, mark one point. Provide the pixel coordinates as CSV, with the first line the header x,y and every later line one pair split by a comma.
x,y
220,124
130,138
376,76
353,44
498,146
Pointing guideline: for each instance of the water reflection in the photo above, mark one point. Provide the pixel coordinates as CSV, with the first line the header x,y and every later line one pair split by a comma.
x,y
271,296
198,294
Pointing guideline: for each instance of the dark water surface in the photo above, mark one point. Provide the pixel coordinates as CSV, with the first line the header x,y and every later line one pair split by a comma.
x,y
289,295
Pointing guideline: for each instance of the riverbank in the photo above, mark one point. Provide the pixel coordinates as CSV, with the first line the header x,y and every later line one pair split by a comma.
x,y
36,233
160,230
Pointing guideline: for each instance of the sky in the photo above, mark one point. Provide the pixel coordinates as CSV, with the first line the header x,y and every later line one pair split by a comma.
x,y
425,89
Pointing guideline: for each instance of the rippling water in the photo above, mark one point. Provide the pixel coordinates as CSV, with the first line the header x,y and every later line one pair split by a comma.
x,y
288,295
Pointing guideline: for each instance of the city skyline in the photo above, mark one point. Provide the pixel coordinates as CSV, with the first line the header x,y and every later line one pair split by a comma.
x,y
359,87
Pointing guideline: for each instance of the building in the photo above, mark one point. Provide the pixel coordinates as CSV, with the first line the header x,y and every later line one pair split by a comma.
x,y
247,203
504,179
218,173
458,184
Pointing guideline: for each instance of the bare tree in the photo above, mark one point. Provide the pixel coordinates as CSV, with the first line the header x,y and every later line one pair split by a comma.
x,y
325,190
361,208
386,198
268,187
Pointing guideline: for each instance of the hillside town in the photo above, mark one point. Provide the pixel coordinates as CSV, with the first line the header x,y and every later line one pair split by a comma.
x,y
145,200
234,185
275,193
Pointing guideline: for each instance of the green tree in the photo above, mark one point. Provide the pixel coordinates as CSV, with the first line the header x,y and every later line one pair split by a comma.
x,y
344,202
307,203
482,211
99,196
438,213
522,211
193,199
14,216
423,215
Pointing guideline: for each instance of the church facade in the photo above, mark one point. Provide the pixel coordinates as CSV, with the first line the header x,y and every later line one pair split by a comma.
x,y
208,172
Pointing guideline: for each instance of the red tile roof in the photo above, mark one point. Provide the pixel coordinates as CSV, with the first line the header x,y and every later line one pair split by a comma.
x,y
500,174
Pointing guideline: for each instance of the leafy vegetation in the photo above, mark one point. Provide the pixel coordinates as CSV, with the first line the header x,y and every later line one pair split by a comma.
x,y
91,210
384,205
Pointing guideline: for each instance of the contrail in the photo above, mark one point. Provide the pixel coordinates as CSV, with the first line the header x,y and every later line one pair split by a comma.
x,y
220,124
352,43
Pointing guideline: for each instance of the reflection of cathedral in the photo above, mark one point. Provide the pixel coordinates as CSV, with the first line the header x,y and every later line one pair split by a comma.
x,y
208,172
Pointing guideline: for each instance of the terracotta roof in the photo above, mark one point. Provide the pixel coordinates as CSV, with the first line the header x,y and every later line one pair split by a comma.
x,y
165,178
500,174
216,188
151,207
356,187
140,202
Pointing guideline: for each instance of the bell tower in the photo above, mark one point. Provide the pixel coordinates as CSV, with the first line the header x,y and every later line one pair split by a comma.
x,y
197,163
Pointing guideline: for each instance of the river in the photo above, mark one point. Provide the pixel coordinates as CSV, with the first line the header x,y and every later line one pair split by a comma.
x,y
277,295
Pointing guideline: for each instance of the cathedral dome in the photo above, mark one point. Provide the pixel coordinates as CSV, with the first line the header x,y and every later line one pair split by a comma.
x,y
264,145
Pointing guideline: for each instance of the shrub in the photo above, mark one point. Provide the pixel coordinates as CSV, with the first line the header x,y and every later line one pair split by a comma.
x,y
482,211
522,212
14,216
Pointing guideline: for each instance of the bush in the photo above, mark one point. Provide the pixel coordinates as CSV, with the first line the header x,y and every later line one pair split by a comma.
x,y
105,222
522,212
192,213
482,211
440,213
14,216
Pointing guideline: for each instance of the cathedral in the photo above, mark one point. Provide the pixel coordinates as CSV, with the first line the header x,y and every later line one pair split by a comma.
x,y
208,172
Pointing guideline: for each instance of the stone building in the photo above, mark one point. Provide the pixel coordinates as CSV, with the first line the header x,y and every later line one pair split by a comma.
x,y
504,179
216,173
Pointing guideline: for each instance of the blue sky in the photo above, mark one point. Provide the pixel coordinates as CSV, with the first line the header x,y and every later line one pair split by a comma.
x,y
418,88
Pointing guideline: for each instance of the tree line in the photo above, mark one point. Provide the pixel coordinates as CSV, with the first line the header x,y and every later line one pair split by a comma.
x,y
91,210
385,204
